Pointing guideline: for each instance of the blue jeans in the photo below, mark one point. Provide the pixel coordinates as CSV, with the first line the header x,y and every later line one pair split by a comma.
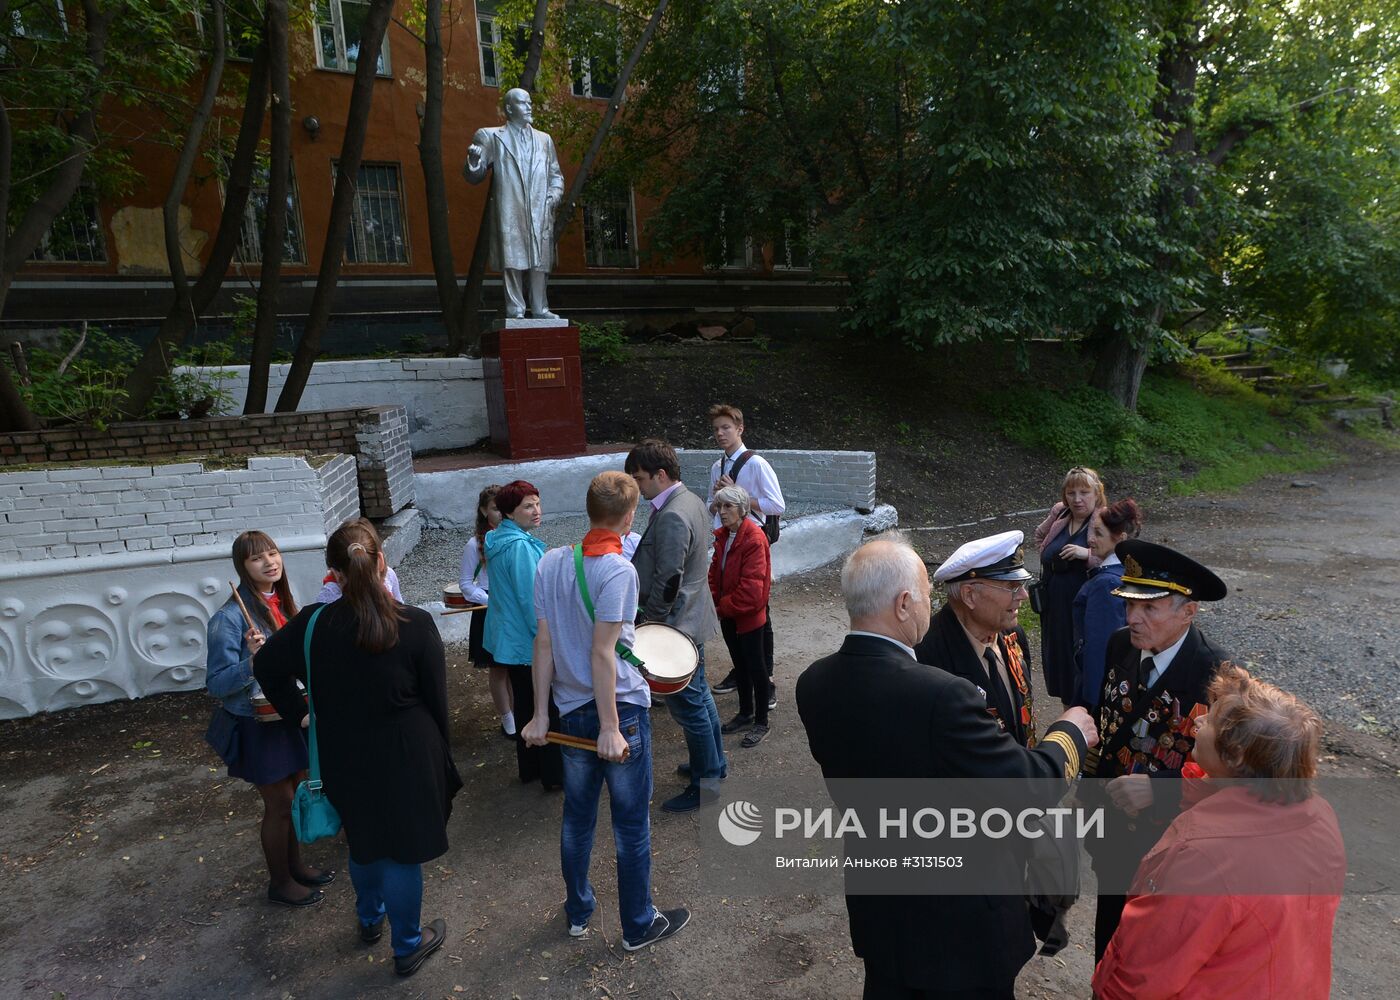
x,y
629,796
386,886
694,710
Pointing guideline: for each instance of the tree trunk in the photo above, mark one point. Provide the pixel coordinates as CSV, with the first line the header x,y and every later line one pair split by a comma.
x,y
342,201
184,164
154,365
434,183
274,236
1119,366
571,196
1121,357
473,291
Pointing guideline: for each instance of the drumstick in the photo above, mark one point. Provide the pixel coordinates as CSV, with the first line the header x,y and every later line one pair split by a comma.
x,y
241,606
458,611
579,743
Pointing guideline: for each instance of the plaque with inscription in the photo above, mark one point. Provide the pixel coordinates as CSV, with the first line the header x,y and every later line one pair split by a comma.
x,y
544,373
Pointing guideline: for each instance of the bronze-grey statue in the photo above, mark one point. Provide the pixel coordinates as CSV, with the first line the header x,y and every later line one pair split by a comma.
x,y
529,186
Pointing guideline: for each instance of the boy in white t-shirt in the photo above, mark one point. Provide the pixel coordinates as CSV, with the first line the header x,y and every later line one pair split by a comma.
x,y
599,697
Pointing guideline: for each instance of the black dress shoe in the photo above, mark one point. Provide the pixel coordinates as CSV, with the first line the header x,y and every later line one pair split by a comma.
x,y
370,933
310,899
316,881
433,936
737,723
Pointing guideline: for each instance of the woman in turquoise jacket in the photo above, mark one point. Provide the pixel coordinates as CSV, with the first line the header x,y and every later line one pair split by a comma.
x,y
513,555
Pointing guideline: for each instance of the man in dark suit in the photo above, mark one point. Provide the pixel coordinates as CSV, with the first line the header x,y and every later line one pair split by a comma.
x,y
1157,671
975,634
673,567
873,711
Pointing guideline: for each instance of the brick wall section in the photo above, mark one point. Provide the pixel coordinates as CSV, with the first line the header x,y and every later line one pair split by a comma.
x,y
376,435
838,478
340,490
386,462
63,513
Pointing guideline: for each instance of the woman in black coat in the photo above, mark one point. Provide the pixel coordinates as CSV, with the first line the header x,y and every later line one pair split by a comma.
x,y
379,686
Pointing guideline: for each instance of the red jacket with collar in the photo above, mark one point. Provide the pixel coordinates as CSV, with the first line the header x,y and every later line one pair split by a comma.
x,y
1237,899
742,587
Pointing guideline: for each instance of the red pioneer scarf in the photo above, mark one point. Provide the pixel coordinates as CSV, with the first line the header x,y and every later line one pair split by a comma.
x,y
601,541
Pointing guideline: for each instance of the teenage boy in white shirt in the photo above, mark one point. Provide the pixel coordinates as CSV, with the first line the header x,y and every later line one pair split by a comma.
x,y
755,477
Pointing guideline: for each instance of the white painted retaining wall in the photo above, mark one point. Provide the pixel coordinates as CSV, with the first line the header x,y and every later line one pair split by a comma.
x,y
445,397
834,478
108,574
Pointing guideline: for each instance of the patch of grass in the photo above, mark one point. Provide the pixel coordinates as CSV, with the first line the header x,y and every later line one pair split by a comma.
x,y
1371,430
1196,417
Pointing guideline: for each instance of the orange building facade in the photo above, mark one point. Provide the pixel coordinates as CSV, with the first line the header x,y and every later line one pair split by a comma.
x,y
105,259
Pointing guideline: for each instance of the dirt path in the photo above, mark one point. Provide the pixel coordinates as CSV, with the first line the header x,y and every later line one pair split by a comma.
x,y
132,866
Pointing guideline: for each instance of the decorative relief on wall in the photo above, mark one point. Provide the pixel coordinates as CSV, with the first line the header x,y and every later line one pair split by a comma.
x,y
71,641
169,629
79,639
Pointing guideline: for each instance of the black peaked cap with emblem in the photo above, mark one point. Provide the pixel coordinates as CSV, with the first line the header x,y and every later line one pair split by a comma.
x,y
1151,571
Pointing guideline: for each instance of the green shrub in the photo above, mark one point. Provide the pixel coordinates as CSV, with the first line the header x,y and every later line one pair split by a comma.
x,y
607,339
88,387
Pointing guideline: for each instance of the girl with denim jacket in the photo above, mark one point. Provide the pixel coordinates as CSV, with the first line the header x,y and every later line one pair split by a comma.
x,y
271,756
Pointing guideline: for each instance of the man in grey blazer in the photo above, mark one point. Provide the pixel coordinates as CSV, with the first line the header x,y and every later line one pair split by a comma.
x,y
673,565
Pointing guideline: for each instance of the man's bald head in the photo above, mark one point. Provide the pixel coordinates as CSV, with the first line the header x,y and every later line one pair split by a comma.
x,y
518,106
886,589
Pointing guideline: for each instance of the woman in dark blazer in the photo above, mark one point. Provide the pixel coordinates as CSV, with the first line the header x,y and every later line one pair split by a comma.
x,y
378,683
1097,613
740,582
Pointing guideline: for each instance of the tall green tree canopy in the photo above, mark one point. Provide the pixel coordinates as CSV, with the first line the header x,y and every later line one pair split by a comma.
x,y
1024,168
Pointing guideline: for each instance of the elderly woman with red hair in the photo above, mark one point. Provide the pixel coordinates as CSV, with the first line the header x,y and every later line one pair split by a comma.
x,y
514,554
1239,896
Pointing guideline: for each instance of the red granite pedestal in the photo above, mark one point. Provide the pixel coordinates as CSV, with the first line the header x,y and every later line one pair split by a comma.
x,y
534,389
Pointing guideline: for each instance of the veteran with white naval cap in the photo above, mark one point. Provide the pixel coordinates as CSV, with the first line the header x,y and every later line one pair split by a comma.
x,y
1156,674
871,710
975,634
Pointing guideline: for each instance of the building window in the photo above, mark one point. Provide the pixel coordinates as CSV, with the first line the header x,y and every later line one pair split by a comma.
x,y
76,234
242,27
339,24
376,218
733,246
793,250
42,19
608,238
255,218
488,40
595,76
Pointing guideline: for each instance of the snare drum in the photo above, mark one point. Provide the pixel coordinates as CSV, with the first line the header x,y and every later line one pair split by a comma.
x,y
668,656
452,596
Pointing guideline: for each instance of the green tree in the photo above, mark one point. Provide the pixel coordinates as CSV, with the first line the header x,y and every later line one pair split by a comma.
x,y
66,74
1020,168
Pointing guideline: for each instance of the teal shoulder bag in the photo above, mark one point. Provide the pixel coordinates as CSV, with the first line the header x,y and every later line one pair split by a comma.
x,y
313,816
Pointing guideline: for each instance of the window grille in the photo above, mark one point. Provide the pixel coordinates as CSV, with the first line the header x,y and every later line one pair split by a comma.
x,y
608,229
255,218
75,237
377,224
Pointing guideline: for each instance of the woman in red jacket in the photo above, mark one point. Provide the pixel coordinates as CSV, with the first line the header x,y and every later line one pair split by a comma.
x,y
740,580
1239,896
